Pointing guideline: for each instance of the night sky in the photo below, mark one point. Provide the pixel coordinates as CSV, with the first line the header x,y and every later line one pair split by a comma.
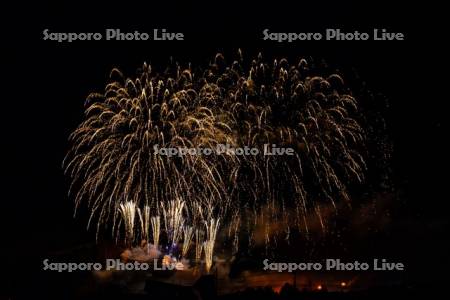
x,y
47,83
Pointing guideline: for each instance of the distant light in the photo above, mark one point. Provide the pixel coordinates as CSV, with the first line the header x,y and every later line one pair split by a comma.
x,y
319,287
166,260
343,284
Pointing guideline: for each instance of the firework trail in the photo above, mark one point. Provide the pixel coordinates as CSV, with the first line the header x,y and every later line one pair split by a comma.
x,y
156,228
188,232
211,232
199,235
233,231
112,159
128,211
173,219
145,222
242,104
285,107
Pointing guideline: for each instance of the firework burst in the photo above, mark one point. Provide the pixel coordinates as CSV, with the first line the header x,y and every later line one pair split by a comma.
x,y
243,105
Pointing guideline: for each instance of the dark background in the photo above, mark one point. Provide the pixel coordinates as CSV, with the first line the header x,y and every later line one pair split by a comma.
x,y
47,83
